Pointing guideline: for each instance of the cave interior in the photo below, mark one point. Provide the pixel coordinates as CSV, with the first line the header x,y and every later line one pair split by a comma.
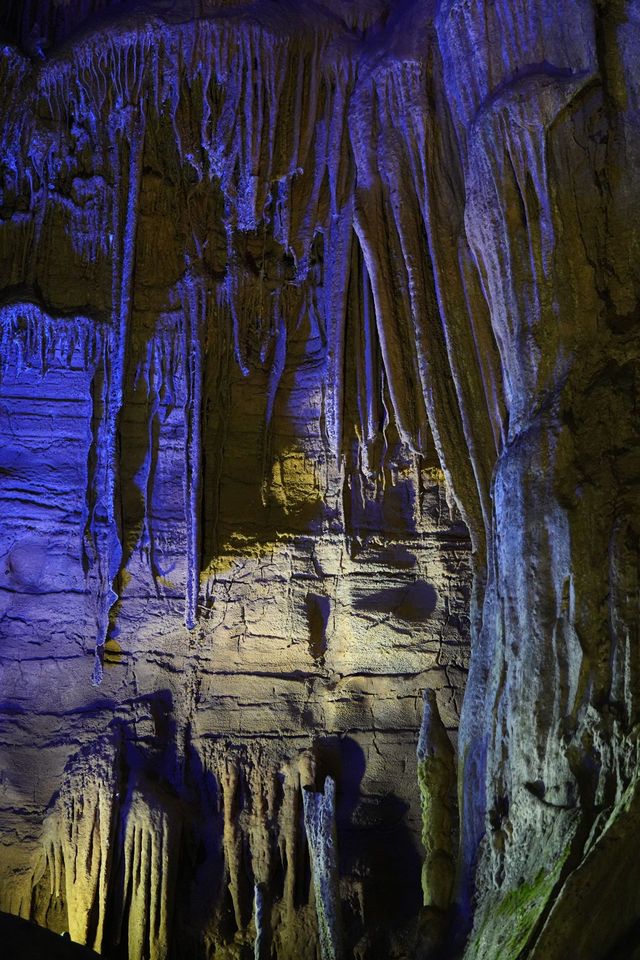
x,y
320,479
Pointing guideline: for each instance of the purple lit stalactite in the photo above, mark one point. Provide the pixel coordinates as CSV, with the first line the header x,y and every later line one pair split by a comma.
x,y
105,521
194,316
278,362
338,242
231,296
368,421
277,366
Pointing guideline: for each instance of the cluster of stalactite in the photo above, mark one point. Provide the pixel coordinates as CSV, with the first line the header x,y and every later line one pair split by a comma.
x,y
456,203
117,841
252,135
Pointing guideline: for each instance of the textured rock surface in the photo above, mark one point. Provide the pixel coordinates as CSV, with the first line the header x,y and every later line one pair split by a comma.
x,y
438,796
278,281
320,828
213,509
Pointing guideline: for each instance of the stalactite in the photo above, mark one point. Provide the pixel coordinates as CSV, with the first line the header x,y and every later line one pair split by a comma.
x,y
338,242
232,840
105,522
320,826
437,780
301,147
159,372
151,844
14,74
78,840
32,338
394,187
367,392
193,326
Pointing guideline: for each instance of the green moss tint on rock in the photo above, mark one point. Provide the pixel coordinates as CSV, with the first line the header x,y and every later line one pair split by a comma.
x,y
506,926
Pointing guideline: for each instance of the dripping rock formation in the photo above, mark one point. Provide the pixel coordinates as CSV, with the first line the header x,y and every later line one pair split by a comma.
x,y
320,479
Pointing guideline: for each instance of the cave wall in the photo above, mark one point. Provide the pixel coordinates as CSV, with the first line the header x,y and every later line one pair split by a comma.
x,y
312,284
229,572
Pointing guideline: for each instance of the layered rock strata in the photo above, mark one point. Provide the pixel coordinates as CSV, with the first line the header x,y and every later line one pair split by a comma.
x,y
229,570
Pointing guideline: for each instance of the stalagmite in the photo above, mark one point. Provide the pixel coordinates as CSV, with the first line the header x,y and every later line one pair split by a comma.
x,y
320,827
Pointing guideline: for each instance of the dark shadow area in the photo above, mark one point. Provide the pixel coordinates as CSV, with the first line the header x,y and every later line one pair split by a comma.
x,y
398,556
23,940
628,946
416,602
318,610
202,900
382,832
376,847
342,759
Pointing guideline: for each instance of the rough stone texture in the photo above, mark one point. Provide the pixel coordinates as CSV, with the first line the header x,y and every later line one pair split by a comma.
x,y
438,796
320,828
550,145
275,277
212,510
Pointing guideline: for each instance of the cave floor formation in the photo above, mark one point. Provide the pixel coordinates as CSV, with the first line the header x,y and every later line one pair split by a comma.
x,y
320,478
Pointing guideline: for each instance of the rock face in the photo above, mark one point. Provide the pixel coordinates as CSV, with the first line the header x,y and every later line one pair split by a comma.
x,y
229,566
289,292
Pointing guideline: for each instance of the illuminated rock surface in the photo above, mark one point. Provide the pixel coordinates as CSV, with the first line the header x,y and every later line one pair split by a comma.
x,y
288,292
